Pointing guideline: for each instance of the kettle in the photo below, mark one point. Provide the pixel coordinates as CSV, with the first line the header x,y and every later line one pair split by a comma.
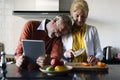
x,y
107,53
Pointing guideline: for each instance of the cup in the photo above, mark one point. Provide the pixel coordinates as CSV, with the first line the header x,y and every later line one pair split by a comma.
x,y
118,55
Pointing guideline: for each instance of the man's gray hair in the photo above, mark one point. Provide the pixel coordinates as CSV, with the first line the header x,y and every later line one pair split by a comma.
x,y
64,19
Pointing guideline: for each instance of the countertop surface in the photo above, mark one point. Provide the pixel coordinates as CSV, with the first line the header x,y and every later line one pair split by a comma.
x,y
113,73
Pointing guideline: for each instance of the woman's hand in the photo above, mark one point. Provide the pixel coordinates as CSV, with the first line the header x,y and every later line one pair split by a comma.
x,y
43,60
69,53
92,60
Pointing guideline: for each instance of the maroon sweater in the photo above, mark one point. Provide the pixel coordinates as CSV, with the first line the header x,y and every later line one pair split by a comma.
x,y
52,46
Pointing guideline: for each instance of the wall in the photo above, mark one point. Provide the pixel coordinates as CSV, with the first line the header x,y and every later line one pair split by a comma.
x,y
104,14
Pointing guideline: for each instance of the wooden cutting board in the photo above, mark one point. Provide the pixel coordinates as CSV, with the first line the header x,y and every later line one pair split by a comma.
x,y
79,67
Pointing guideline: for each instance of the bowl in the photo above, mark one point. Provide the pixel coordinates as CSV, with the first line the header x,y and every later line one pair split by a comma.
x,y
43,69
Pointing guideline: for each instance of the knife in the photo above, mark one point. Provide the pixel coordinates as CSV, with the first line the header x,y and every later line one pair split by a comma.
x,y
79,52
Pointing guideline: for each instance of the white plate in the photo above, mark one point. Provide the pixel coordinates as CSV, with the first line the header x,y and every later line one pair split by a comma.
x,y
56,72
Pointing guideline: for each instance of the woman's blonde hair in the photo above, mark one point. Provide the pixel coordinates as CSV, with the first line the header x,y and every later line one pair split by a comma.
x,y
79,5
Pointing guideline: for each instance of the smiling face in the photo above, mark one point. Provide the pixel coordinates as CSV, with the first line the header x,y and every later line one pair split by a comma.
x,y
56,30
79,17
79,12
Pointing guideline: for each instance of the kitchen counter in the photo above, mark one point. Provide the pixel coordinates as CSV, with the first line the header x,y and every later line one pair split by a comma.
x,y
112,73
112,61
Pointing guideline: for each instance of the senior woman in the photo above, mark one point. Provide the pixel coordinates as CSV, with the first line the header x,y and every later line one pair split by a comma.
x,y
82,36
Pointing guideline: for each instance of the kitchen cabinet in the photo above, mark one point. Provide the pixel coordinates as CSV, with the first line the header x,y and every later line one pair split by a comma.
x,y
42,5
23,5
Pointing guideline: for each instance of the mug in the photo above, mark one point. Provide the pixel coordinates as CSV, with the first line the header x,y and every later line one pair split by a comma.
x,y
118,55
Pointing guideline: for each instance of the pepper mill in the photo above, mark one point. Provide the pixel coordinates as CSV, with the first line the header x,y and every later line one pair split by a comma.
x,y
3,67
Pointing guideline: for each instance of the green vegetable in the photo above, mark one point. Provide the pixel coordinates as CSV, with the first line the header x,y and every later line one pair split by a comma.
x,y
50,68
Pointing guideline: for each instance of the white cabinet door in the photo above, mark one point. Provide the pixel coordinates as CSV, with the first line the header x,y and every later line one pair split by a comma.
x,y
23,5
47,5
36,5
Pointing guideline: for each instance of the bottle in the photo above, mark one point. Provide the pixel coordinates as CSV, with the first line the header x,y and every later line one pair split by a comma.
x,y
3,67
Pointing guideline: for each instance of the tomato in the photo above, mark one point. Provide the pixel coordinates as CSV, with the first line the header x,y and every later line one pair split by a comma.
x,y
54,62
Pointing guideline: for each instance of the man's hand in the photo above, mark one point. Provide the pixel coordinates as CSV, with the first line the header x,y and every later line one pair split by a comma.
x,y
43,60
21,61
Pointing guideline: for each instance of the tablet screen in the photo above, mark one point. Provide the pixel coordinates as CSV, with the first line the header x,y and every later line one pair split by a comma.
x,y
33,49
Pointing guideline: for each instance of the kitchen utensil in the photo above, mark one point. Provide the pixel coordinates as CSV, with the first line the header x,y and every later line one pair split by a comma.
x,y
76,53
78,67
79,52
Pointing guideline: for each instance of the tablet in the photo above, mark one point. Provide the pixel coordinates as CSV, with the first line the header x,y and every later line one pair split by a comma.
x,y
33,49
